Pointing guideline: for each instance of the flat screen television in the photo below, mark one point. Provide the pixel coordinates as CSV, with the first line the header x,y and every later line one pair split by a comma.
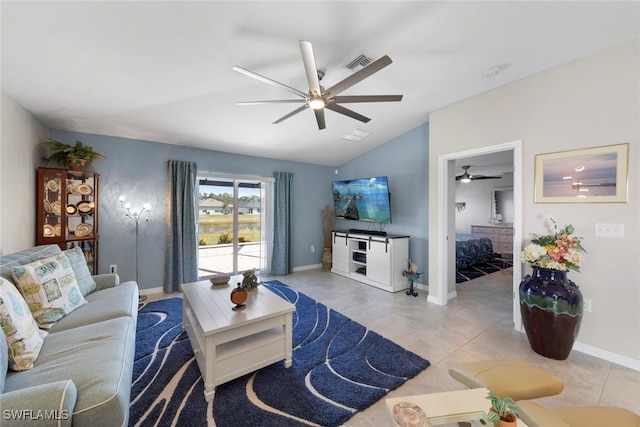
x,y
363,199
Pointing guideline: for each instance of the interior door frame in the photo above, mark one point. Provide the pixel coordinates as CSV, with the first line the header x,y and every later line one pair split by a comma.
x,y
446,198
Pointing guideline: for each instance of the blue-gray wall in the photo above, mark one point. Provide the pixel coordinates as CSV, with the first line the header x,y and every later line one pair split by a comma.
x,y
404,160
138,169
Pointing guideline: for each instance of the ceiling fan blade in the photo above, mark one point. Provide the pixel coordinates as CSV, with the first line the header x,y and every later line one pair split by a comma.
x,y
350,113
358,76
320,118
269,81
293,113
310,67
367,98
474,177
274,101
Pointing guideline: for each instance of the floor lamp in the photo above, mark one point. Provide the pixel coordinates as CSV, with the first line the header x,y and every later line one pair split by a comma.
x,y
135,216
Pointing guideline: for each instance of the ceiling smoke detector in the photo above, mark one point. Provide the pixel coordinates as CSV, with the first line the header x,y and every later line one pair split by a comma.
x,y
494,71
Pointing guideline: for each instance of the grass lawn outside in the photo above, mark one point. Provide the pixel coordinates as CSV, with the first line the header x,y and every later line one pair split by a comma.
x,y
218,228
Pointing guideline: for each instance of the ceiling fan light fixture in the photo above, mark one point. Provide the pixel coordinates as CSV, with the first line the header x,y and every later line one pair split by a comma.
x,y
316,103
465,178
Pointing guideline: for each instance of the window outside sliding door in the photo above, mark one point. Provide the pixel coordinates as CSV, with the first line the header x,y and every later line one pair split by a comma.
x,y
233,225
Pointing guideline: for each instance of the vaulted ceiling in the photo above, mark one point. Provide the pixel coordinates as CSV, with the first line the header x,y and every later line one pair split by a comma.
x,y
162,71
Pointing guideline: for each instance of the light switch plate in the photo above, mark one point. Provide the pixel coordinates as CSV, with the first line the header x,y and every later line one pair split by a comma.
x,y
609,230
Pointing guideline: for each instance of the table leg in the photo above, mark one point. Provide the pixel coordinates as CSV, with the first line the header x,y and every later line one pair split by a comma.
x,y
288,341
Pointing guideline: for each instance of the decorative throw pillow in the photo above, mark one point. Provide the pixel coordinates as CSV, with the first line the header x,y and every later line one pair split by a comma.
x,y
24,339
50,288
4,358
81,270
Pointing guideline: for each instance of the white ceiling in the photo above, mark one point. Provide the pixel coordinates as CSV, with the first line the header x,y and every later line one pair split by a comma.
x,y
161,71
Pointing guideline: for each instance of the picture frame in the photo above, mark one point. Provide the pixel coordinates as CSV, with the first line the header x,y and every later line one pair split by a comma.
x,y
589,175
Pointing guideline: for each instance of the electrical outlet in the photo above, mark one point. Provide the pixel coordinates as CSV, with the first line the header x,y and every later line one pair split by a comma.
x,y
586,305
113,269
313,249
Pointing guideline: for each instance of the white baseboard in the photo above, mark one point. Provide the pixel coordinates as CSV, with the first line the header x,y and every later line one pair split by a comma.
x,y
151,291
307,267
450,296
609,356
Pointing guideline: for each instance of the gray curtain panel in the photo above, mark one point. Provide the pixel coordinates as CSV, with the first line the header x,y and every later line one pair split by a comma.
x,y
281,259
182,214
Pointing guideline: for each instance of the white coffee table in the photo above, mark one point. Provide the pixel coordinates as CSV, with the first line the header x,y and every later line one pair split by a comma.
x,y
228,344
450,407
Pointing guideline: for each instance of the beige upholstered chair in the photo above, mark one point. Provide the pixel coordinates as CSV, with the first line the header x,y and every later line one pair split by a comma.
x,y
588,416
508,378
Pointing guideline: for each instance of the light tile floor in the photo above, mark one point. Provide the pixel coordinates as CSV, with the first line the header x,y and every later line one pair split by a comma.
x,y
475,325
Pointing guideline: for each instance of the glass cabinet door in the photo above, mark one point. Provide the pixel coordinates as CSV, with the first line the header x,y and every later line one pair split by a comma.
x,y
51,186
80,205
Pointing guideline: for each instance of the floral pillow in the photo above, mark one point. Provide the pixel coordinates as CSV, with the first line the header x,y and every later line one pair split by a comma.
x,y
50,288
24,339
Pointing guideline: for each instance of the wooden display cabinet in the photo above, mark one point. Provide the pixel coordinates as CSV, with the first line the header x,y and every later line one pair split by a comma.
x,y
67,211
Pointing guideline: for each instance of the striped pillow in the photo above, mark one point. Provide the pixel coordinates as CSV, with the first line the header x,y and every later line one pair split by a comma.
x,y
81,270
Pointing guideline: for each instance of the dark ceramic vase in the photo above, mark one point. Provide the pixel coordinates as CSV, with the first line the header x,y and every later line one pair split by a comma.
x,y
551,307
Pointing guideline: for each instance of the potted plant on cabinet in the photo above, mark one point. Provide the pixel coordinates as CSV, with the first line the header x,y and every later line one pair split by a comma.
x,y
75,157
503,411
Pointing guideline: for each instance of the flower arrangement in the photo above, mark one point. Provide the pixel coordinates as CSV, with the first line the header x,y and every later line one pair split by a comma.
x,y
558,251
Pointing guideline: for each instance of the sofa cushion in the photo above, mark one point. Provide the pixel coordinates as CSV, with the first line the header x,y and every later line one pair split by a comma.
x,y
42,405
24,257
4,359
81,270
105,304
23,338
98,358
50,288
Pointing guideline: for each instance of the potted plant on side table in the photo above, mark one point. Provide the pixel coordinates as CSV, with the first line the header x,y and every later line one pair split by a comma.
x,y
75,157
503,411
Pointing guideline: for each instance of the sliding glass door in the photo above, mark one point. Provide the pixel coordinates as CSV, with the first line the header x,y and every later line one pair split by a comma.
x,y
233,231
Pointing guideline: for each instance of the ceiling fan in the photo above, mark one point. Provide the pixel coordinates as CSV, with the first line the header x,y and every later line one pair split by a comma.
x,y
466,177
319,98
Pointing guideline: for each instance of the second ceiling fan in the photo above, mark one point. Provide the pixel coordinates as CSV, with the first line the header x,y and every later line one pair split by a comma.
x,y
466,177
319,98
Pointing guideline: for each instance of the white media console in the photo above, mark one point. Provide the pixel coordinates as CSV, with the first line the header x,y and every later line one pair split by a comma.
x,y
372,259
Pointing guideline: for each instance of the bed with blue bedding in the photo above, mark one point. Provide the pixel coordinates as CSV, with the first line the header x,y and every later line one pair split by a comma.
x,y
472,249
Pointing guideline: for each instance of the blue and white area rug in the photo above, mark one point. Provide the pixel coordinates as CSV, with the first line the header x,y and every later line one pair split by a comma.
x,y
339,368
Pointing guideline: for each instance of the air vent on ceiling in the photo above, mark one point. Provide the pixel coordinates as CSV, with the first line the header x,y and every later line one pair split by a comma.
x,y
359,62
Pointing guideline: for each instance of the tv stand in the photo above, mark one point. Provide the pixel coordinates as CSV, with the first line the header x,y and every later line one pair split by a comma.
x,y
371,232
377,260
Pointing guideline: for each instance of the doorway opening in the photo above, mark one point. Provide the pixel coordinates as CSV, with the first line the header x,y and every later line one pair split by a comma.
x,y
447,205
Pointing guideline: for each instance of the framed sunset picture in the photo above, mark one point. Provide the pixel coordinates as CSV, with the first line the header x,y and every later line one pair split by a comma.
x,y
590,175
